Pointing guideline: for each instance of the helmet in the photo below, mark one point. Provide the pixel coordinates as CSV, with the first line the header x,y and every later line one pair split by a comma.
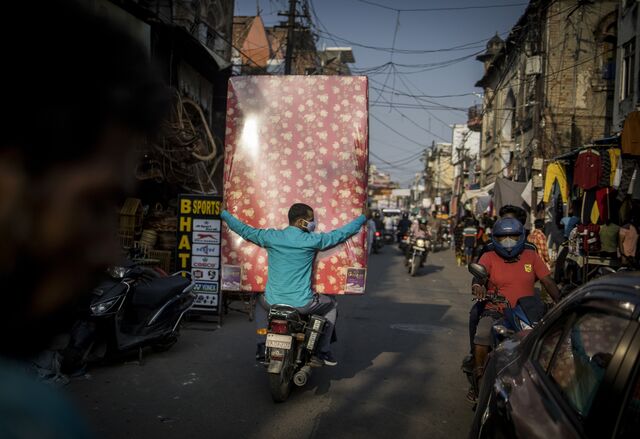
x,y
506,227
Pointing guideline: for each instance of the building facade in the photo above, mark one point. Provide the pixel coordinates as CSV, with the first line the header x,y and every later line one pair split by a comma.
x,y
548,87
259,49
627,92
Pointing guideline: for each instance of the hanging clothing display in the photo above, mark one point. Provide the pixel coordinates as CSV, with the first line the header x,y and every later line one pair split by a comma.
x,y
588,169
556,173
589,237
589,213
616,167
634,185
631,134
628,168
605,177
603,199
609,238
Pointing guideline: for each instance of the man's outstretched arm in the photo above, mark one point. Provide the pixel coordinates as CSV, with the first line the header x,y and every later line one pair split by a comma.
x,y
257,236
327,240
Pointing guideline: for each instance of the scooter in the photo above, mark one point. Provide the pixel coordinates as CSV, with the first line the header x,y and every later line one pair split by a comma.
x,y
131,308
292,339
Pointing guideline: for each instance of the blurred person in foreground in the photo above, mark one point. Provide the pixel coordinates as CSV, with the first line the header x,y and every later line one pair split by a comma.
x,y
72,115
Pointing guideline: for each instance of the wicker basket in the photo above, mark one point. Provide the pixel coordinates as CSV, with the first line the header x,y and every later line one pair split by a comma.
x,y
131,217
164,256
148,239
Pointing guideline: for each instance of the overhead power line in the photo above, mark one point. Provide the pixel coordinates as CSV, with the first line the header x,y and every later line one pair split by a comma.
x,y
465,46
450,8
396,131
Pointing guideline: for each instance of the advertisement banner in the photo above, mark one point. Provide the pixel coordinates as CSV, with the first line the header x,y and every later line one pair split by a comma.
x,y
198,252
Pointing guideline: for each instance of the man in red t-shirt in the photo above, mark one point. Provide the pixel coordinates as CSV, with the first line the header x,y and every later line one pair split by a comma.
x,y
513,271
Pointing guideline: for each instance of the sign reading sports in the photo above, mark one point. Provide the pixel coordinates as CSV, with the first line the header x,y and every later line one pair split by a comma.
x,y
199,247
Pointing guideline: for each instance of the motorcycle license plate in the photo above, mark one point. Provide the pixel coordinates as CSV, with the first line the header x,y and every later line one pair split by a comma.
x,y
279,341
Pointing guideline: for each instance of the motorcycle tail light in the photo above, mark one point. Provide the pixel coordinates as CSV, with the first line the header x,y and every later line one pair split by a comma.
x,y
279,327
377,233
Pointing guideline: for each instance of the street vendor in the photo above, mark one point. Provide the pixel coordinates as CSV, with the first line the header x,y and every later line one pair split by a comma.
x,y
291,252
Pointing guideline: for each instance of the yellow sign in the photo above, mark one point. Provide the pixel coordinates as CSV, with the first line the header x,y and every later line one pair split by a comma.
x,y
528,268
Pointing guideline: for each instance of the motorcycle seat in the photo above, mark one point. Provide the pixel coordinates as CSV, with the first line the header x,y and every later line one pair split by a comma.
x,y
154,293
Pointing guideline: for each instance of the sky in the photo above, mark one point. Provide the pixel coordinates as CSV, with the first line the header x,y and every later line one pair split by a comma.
x,y
407,108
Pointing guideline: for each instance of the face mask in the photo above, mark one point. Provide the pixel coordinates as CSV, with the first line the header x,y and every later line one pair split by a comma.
x,y
509,243
311,226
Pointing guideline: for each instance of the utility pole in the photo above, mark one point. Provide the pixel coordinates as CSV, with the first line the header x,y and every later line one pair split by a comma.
x,y
290,27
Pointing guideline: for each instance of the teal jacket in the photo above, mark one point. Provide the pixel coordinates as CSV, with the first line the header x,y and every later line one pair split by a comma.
x,y
291,253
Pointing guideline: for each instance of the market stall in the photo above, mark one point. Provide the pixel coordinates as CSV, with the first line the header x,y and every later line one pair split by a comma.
x,y
592,195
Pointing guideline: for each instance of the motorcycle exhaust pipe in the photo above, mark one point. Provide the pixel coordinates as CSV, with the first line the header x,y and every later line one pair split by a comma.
x,y
302,376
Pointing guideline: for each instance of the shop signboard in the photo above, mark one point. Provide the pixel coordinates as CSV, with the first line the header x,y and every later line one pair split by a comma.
x,y
198,251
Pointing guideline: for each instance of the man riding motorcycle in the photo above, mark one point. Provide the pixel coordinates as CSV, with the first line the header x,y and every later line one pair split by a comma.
x,y
513,270
291,254
419,229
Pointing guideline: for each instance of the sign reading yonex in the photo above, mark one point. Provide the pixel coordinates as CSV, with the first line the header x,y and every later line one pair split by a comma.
x,y
199,247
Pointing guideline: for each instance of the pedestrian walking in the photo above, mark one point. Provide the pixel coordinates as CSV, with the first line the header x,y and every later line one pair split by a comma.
x,y
470,239
458,241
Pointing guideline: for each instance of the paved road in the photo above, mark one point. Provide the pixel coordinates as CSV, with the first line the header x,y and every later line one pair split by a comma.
x,y
399,351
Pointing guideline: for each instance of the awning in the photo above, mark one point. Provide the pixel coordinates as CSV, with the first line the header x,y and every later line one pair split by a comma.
x,y
470,194
203,59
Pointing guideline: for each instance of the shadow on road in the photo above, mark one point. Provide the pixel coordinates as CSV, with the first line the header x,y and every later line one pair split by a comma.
x,y
398,351
390,341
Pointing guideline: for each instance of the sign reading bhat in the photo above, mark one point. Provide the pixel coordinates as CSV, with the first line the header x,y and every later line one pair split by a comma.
x,y
199,247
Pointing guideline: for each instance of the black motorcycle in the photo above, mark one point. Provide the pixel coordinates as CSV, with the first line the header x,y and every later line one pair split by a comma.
x,y
377,242
417,254
291,342
131,308
388,236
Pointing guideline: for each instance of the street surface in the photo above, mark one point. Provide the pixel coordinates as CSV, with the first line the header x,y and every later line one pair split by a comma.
x,y
399,352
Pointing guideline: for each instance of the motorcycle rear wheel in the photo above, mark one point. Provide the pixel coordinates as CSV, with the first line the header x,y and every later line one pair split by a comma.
x,y
280,386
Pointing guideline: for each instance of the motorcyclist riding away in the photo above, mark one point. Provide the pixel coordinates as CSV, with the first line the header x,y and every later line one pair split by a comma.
x,y
513,270
403,226
291,254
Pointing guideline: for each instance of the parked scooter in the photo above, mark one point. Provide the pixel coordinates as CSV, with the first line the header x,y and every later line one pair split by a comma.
x,y
524,316
291,342
133,307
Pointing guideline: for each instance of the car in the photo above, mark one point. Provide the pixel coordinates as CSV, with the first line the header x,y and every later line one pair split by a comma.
x,y
575,375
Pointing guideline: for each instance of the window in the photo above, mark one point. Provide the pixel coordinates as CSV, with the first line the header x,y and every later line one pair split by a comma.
x,y
548,346
628,69
576,357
